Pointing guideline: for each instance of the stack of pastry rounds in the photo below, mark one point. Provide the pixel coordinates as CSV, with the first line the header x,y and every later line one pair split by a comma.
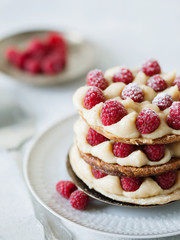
x,y
127,143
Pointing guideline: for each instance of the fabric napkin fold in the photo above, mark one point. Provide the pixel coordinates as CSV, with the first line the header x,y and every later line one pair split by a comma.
x,y
17,218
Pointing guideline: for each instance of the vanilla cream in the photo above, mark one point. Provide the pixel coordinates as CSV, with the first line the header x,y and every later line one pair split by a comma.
x,y
148,193
104,152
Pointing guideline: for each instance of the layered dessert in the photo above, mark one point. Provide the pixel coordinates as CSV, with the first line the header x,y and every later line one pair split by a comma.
x,y
127,144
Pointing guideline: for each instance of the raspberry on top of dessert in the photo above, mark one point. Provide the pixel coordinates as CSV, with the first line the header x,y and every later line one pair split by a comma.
x,y
124,103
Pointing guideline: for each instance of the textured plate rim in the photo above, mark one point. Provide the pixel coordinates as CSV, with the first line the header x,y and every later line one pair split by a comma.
x,y
38,198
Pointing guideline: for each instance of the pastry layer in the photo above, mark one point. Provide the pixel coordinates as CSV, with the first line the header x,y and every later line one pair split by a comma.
x,y
125,130
117,170
103,151
149,193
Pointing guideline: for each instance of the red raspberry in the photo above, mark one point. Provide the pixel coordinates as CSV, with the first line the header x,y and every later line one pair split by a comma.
x,y
166,180
130,184
97,174
15,57
32,65
52,64
177,82
96,78
123,75
112,112
10,54
155,152
122,149
157,83
173,118
56,39
58,56
65,188
92,97
133,91
163,101
94,138
79,200
147,121
36,49
151,67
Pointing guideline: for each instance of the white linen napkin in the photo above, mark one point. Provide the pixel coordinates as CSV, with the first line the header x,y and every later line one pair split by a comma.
x,y
17,219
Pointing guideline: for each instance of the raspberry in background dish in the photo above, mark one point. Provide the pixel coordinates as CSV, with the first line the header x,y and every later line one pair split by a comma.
x,y
41,56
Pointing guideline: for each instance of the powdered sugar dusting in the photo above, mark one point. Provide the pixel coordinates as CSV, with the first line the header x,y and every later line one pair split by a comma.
x,y
112,112
151,67
157,83
147,121
123,75
96,78
133,91
163,101
177,82
93,96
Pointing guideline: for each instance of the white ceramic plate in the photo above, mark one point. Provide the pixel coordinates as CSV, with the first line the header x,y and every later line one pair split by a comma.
x,y
82,56
46,164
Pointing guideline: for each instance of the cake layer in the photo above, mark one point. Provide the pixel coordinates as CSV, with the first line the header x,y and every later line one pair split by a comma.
x,y
103,151
149,193
125,130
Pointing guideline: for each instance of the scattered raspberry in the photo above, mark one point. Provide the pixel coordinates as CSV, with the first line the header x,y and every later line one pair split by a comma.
x,y
166,180
65,188
173,118
79,200
163,101
122,149
133,91
52,64
32,65
157,83
123,75
94,138
155,152
96,78
92,97
97,174
151,67
147,121
112,112
130,184
177,82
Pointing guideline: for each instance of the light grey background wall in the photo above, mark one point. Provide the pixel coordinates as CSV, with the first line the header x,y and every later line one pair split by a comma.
x,y
128,31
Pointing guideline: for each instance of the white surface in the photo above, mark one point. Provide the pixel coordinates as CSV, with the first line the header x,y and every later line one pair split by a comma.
x,y
126,32
17,220
46,165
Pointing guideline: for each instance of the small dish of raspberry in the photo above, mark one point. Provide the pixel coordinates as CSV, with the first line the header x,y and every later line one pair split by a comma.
x,y
46,57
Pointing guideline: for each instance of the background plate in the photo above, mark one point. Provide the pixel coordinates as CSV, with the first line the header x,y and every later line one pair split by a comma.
x,y
46,165
81,58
